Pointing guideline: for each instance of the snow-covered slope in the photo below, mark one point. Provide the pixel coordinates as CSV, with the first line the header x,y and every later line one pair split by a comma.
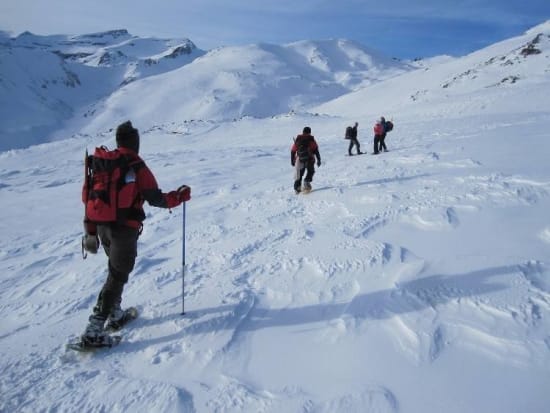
x,y
47,80
93,76
509,76
412,281
259,80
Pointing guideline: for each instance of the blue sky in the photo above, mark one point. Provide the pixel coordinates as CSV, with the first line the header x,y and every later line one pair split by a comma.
x,y
399,28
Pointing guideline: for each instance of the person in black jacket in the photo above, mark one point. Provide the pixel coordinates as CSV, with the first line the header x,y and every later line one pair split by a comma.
x,y
303,153
351,134
382,143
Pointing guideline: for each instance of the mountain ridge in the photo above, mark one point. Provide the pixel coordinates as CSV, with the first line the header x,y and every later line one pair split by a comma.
x,y
507,69
50,80
57,86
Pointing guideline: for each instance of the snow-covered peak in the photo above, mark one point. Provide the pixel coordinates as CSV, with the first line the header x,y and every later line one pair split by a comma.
x,y
344,55
47,80
256,80
540,28
110,48
88,77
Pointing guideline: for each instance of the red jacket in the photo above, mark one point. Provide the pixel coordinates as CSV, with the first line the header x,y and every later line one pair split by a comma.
x,y
378,129
308,142
147,190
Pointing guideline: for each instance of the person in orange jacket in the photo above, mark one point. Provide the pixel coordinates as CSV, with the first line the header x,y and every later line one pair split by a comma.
x,y
379,135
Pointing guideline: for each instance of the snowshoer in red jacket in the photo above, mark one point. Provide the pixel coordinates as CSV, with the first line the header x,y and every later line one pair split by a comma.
x,y
303,153
119,239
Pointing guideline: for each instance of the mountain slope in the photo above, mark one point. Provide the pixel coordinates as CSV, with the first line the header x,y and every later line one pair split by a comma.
x,y
47,80
403,282
256,80
490,77
92,76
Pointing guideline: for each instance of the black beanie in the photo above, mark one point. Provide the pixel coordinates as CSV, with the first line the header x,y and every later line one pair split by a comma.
x,y
307,130
127,136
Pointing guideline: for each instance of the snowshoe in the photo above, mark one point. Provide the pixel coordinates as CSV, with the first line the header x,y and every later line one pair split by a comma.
x,y
85,343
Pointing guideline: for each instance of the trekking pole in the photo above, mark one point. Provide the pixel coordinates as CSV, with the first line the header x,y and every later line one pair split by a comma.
x,y
183,263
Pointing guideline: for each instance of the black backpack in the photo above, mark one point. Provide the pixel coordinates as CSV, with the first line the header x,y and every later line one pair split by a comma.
x,y
388,126
349,131
302,149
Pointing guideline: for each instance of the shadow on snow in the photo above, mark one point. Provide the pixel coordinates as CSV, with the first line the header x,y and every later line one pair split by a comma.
x,y
407,297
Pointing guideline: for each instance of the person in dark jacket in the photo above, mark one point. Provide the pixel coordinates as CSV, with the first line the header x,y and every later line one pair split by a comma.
x,y
382,145
119,239
351,134
303,153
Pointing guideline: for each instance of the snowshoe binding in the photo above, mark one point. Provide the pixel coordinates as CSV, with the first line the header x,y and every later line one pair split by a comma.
x,y
307,188
119,318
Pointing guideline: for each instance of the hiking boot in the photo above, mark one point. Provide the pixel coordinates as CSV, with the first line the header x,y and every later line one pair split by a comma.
x,y
116,314
359,153
94,332
307,186
116,318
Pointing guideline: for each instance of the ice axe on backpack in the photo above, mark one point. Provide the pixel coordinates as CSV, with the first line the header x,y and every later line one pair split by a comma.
x,y
90,240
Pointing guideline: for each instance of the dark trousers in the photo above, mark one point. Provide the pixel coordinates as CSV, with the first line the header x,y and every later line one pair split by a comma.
x,y
377,139
354,142
120,245
301,168
383,143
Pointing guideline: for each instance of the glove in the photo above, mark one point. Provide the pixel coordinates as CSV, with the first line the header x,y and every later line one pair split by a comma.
x,y
318,163
184,193
293,163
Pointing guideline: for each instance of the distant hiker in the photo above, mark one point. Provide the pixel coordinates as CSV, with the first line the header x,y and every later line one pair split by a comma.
x,y
381,128
351,134
119,235
379,134
303,153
